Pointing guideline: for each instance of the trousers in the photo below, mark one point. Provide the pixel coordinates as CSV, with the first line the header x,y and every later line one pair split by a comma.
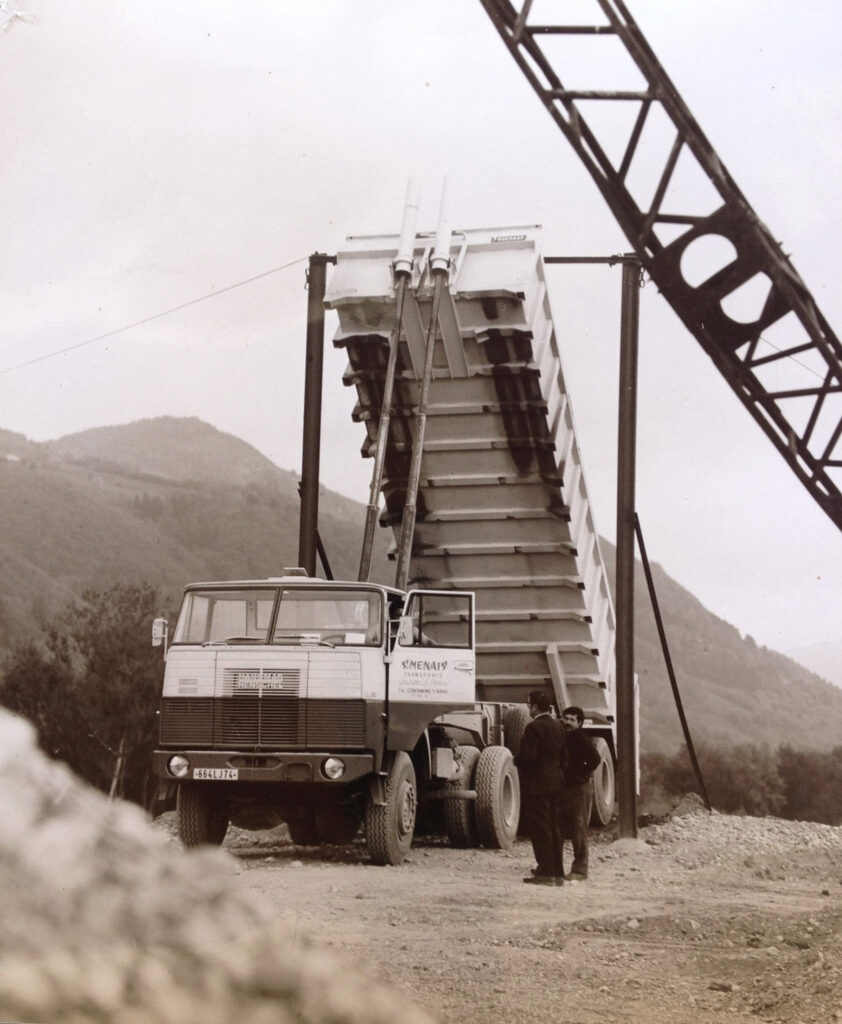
x,y
544,828
575,807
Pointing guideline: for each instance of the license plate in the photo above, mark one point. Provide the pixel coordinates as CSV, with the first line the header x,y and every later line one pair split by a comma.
x,y
215,773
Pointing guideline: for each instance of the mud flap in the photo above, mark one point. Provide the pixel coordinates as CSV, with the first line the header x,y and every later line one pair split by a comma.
x,y
377,789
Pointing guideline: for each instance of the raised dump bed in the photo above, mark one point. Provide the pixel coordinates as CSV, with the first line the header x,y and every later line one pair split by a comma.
x,y
502,506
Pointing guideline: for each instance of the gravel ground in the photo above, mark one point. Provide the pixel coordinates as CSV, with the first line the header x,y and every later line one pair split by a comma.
x,y
703,917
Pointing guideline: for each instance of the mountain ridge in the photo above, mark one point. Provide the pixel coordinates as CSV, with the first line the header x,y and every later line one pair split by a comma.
x,y
170,501
823,658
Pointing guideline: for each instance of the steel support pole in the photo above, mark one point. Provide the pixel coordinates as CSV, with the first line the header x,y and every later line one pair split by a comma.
x,y
626,454
312,425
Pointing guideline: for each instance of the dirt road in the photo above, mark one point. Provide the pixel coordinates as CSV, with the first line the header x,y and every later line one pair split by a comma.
x,y
702,918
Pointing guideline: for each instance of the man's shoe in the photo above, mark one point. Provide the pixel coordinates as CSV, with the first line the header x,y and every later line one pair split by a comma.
x,y
540,880
576,876
559,880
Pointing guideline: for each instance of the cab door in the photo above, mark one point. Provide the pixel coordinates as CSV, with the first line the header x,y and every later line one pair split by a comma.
x,y
433,663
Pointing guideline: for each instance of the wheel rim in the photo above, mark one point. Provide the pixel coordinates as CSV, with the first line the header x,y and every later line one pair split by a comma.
x,y
604,784
507,800
406,809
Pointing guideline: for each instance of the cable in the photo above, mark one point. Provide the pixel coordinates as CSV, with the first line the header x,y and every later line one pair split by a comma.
x,y
784,355
149,319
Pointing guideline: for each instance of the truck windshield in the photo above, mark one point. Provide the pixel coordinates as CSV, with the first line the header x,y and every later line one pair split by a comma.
x,y
330,616
224,616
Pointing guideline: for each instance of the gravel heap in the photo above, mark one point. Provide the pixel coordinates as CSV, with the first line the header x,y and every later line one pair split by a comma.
x,y
760,834
772,847
104,920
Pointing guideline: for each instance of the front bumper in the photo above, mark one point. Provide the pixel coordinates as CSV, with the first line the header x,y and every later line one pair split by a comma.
x,y
299,767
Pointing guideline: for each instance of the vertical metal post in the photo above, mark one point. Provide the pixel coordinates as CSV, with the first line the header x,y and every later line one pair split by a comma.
x,y
626,454
312,425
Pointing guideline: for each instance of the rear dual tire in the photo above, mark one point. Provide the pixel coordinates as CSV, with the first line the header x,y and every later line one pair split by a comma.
x,y
460,818
603,786
498,798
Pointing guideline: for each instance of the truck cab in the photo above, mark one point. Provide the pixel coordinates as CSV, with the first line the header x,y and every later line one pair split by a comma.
x,y
324,703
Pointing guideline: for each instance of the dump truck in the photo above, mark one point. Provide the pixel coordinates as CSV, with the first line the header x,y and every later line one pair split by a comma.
x,y
341,704
334,704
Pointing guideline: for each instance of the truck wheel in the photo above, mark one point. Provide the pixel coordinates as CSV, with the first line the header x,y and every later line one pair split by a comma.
x,y
498,798
389,828
303,831
460,818
337,826
202,815
603,785
515,721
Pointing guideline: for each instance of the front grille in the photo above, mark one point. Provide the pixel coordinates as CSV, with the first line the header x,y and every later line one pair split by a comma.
x,y
280,723
335,723
238,720
187,721
270,721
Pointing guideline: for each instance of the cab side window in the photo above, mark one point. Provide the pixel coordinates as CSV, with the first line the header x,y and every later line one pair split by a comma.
x,y
441,620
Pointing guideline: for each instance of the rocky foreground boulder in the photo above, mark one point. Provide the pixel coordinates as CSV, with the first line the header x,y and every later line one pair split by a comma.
x,y
103,920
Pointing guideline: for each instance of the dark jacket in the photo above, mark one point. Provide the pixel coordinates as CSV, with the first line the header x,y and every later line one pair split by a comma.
x,y
582,757
543,756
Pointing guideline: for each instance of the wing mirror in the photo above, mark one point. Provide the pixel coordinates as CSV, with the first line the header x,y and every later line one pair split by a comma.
x,y
160,633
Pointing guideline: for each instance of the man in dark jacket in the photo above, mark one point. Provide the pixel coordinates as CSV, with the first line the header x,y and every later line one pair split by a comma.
x,y
582,762
541,761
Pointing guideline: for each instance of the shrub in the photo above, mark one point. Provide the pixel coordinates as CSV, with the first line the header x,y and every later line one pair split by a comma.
x,y
92,687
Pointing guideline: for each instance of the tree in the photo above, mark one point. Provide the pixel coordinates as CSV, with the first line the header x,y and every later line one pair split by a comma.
x,y
739,779
38,685
92,688
812,784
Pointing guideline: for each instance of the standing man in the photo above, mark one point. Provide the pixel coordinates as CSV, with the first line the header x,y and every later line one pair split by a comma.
x,y
582,762
541,761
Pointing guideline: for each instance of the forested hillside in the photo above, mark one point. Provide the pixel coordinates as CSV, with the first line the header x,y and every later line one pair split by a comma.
x,y
168,501
186,503
733,690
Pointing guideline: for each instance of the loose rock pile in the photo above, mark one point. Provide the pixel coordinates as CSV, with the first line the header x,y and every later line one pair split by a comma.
x,y
104,921
760,834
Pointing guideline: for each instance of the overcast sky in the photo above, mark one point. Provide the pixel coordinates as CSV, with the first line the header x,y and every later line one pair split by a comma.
x,y
157,153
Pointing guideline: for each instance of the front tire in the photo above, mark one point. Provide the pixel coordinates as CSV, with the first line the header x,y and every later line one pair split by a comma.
x,y
498,798
202,815
389,828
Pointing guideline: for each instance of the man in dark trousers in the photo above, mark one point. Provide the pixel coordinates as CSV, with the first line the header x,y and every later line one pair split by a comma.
x,y
582,762
541,761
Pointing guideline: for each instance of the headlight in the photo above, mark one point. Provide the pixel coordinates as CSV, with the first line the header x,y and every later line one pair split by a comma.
x,y
178,766
333,768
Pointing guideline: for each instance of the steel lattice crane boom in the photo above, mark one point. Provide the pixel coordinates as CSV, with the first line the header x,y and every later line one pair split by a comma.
x,y
803,418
